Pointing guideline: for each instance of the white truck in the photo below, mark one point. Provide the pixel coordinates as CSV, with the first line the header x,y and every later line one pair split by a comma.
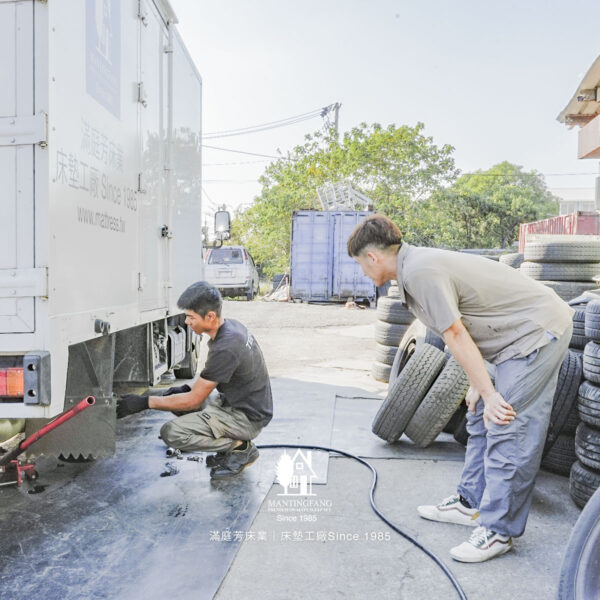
x,y
100,229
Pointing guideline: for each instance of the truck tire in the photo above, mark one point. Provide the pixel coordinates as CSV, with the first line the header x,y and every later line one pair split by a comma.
x,y
583,483
391,310
587,446
565,396
567,290
588,404
578,339
563,251
561,456
591,362
455,419
579,573
441,402
385,354
380,371
513,260
561,271
572,422
592,320
407,391
389,334
189,372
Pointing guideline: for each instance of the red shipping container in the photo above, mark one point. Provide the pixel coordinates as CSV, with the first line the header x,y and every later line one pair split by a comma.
x,y
2,383
578,223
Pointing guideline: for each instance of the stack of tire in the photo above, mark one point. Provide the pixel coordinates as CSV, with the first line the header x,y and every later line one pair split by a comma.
x,y
568,266
393,321
427,388
585,472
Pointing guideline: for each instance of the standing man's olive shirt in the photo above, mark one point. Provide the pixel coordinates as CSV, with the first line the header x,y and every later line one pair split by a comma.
x,y
507,314
236,363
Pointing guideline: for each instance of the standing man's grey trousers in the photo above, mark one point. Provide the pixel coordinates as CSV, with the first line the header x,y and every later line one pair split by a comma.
x,y
501,463
213,428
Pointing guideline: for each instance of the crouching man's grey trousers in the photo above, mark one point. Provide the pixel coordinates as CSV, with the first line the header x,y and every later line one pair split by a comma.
x,y
501,463
214,428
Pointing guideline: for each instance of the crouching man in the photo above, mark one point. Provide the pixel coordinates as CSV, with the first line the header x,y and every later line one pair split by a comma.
x,y
236,367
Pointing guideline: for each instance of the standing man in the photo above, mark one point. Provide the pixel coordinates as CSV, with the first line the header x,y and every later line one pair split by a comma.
x,y
236,367
483,310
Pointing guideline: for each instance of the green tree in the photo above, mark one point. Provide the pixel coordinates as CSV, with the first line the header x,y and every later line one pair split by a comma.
x,y
484,209
398,167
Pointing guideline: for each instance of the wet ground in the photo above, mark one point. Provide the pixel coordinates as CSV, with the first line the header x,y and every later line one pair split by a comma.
x,y
116,529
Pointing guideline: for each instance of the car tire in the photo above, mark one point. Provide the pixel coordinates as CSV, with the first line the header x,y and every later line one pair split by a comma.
x,y
513,260
561,271
565,396
380,371
189,371
563,251
592,320
567,290
588,404
560,456
385,354
389,334
591,362
407,391
391,310
455,419
441,402
579,573
461,435
587,446
583,483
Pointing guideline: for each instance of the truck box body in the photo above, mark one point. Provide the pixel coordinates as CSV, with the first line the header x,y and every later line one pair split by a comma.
x,y
320,268
100,124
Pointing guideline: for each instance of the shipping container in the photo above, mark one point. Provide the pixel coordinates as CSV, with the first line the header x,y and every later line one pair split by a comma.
x,y
320,268
578,223
100,147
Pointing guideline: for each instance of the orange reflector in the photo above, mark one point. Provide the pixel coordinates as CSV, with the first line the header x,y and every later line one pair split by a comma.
x,y
15,382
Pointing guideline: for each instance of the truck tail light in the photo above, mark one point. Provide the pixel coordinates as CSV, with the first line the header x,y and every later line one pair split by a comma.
x,y
245,255
12,382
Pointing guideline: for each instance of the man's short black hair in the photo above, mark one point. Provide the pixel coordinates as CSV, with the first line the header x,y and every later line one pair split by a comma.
x,y
201,297
375,231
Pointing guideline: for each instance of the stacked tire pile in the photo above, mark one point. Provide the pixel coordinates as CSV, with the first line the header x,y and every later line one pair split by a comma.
x,y
426,389
585,473
567,266
393,321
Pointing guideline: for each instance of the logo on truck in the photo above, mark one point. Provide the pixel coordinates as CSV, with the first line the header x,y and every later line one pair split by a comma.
x,y
103,53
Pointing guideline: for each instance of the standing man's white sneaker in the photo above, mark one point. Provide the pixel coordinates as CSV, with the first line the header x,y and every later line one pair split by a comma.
x,y
450,510
482,545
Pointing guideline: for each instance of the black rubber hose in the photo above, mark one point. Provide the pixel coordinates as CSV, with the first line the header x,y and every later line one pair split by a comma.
x,y
438,561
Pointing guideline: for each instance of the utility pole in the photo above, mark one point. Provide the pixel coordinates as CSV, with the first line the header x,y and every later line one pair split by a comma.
x,y
337,107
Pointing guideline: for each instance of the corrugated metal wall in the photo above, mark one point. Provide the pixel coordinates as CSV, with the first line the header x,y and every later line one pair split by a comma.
x,y
320,268
578,223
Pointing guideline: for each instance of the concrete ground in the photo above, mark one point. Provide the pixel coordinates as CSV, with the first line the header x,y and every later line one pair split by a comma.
x,y
338,548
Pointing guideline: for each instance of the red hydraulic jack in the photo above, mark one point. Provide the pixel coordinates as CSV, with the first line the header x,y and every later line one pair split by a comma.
x,y
10,460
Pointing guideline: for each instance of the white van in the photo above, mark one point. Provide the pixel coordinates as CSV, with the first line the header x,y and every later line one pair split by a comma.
x,y
232,271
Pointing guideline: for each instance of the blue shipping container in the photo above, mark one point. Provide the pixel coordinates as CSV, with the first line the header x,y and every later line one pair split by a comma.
x,y
320,269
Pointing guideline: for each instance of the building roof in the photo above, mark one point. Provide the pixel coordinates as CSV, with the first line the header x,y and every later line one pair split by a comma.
x,y
585,103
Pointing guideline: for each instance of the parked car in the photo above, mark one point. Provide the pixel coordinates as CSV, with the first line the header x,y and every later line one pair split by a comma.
x,y
231,269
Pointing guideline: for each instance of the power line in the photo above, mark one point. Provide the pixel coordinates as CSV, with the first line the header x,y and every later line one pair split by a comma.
x,y
242,152
269,125
243,162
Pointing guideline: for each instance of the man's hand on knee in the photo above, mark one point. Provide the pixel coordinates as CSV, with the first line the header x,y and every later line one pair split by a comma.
x,y
131,404
497,410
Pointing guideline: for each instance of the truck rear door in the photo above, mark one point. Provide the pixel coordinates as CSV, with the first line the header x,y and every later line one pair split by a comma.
x,y
20,129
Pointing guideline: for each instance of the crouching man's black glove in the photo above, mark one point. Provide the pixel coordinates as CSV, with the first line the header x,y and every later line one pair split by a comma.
x,y
131,404
182,389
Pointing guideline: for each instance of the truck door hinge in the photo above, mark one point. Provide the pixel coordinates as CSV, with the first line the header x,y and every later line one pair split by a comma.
x,y
140,187
142,14
165,232
19,131
142,94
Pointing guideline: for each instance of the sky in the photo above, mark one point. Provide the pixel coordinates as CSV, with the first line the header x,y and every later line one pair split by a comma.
x,y
487,77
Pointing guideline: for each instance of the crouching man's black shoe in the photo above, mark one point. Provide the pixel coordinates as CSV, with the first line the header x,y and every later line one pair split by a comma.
x,y
236,461
214,460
